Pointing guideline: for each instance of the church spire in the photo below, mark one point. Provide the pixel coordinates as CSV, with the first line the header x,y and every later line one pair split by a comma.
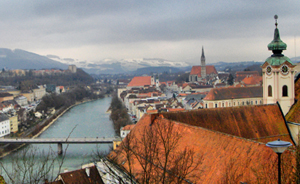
x,y
202,55
203,65
277,45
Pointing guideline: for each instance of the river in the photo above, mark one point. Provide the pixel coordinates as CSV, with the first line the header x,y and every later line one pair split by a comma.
x,y
86,120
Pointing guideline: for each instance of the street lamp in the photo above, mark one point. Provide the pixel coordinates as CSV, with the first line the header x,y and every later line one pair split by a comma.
x,y
279,147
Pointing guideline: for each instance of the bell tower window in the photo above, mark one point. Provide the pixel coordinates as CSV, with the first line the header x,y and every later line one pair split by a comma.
x,y
284,90
270,90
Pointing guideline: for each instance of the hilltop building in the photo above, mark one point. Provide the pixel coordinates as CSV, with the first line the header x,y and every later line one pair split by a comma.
x,y
72,68
200,73
278,75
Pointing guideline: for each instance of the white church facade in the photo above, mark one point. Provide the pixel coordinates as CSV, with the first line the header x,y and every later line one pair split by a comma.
x,y
278,75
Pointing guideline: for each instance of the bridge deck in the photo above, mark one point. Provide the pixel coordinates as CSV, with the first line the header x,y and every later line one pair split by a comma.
x,y
59,140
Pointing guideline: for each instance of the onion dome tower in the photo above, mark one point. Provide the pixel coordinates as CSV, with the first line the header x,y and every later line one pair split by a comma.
x,y
278,75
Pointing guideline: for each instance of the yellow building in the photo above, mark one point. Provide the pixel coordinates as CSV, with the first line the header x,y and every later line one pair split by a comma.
x,y
13,124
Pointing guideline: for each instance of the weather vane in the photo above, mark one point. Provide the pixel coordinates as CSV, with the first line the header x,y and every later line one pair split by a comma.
x,y
276,17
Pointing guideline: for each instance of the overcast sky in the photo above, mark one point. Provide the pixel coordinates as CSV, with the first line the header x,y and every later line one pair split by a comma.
x,y
230,31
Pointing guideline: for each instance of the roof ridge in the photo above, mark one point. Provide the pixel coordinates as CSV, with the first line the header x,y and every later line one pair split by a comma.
x,y
214,131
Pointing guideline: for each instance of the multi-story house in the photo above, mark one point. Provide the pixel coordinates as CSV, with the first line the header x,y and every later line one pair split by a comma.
x,y
4,125
14,124
39,92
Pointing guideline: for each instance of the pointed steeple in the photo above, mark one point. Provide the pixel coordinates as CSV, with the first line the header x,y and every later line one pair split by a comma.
x,y
202,55
277,45
203,65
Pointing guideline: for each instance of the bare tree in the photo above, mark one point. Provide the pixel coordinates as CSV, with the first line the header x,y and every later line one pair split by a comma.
x,y
30,166
158,153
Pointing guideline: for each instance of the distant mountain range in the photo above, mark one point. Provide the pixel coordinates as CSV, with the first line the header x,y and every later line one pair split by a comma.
x,y
21,59
113,66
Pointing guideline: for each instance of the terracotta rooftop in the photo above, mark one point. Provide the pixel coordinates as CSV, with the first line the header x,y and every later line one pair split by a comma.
x,y
293,115
128,127
240,75
210,69
140,81
221,140
297,89
234,93
252,80
249,122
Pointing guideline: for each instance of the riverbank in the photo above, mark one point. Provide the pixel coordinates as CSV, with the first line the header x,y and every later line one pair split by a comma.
x,y
46,127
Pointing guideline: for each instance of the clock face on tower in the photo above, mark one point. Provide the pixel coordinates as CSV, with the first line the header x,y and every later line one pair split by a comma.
x,y
284,69
269,70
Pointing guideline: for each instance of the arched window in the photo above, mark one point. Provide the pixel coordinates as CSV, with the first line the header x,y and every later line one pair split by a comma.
x,y
284,90
269,90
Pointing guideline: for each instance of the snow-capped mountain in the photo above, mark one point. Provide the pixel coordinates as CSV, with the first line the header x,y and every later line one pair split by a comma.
x,y
118,66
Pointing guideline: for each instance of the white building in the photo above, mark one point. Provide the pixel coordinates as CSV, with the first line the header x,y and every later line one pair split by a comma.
x,y
4,125
125,130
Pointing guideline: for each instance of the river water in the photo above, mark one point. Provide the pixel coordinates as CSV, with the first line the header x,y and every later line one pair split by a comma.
x,y
85,120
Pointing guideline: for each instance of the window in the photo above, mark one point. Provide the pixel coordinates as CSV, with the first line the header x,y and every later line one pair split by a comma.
x,y
269,90
255,102
205,105
216,105
243,103
284,90
223,105
251,102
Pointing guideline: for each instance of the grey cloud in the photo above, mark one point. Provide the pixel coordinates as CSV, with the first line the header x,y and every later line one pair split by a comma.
x,y
76,23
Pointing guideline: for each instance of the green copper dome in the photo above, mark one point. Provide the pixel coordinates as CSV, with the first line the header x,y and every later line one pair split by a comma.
x,y
277,44
277,61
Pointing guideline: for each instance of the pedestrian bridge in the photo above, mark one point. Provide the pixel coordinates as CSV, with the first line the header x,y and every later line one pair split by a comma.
x,y
60,141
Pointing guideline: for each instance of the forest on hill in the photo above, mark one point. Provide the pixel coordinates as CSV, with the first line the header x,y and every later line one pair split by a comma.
x,y
70,79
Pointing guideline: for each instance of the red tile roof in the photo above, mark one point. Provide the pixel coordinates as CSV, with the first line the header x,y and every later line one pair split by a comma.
x,y
249,122
221,140
252,80
293,115
210,69
152,111
240,75
175,109
297,89
140,81
128,127
234,93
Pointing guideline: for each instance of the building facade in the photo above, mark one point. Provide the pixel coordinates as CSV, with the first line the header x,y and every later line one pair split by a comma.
x,y
233,96
4,125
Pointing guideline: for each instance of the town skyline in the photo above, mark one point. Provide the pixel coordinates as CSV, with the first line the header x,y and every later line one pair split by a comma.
x,y
229,31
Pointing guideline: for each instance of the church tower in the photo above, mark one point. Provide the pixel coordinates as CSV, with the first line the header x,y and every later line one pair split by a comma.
x,y
203,65
278,75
